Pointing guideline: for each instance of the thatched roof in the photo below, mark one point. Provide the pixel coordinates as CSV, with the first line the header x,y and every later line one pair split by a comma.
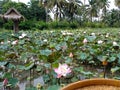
x,y
13,14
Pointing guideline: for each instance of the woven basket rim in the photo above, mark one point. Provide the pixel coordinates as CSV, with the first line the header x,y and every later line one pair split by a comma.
x,y
89,82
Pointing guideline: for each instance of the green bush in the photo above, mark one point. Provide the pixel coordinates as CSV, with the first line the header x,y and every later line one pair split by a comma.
x,y
8,25
56,25
95,24
63,25
53,25
41,25
1,22
116,24
26,25
74,25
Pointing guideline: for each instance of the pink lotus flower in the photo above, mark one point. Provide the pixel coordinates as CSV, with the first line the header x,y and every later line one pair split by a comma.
x,y
71,55
85,41
62,70
5,82
47,71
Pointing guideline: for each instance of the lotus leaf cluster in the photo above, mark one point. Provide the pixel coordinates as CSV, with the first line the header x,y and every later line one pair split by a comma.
x,y
81,50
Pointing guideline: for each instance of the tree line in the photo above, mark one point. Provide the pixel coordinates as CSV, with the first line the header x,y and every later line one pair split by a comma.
x,y
67,14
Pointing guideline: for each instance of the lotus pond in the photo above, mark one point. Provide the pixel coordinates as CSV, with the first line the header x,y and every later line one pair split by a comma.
x,y
50,59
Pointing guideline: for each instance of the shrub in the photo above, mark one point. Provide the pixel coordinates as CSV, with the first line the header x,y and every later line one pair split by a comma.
x,y
53,24
95,24
61,24
116,24
8,25
74,25
26,25
1,22
41,25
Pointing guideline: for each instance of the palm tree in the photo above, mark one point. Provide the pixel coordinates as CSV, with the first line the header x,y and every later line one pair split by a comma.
x,y
49,5
93,9
59,5
117,3
72,8
44,3
103,4
84,10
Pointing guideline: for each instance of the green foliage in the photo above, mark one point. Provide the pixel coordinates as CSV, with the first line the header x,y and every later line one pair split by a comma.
x,y
1,22
73,25
36,12
115,69
13,81
56,25
8,25
66,15
54,87
27,25
112,19
30,88
41,25
44,50
95,24
7,75
61,24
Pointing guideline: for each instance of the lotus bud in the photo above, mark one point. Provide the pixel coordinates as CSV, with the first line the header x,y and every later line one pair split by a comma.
x,y
71,55
5,82
85,41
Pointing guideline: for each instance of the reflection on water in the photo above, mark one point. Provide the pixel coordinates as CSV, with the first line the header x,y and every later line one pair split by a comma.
x,y
22,85
22,76
34,82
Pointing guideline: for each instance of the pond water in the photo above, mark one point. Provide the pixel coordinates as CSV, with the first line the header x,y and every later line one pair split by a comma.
x,y
23,80
22,85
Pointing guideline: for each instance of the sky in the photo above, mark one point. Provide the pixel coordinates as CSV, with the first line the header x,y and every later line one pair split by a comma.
x,y
110,7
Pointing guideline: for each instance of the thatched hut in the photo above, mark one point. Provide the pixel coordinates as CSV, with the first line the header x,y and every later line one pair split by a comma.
x,y
15,16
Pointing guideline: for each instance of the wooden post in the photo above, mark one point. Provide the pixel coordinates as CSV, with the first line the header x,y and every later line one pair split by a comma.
x,y
16,29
